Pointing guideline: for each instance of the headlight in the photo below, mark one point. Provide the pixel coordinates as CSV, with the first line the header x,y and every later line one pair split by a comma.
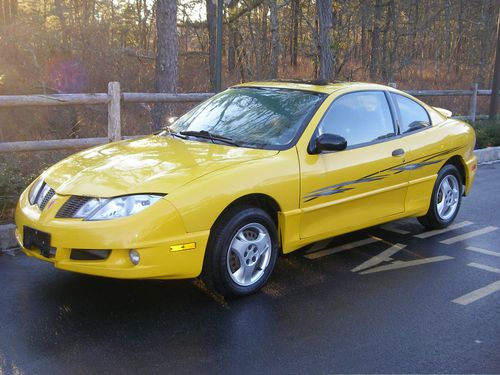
x,y
89,207
114,208
35,190
41,195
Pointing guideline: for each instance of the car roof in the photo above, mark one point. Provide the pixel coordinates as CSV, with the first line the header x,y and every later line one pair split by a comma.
x,y
316,85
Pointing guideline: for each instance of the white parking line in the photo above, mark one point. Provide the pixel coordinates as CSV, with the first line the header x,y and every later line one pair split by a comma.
x,y
384,256
393,228
340,248
400,264
483,251
478,293
466,236
484,267
444,230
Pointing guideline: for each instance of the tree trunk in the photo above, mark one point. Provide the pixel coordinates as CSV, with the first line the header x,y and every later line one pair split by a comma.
x,y
364,20
447,25
458,56
295,32
231,50
13,10
389,34
232,37
255,48
59,12
325,26
3,21
375,54
8,11
273,73
488,17
263,37
212,29
166,57
495,86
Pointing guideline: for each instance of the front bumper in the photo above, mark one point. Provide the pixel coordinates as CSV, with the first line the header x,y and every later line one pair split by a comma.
x,y
156,233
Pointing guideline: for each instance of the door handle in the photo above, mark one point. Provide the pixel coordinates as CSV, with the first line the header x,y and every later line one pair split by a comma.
x,y
398,152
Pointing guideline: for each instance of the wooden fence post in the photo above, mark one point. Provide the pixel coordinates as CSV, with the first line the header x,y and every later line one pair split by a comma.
x,y
473,103
114,121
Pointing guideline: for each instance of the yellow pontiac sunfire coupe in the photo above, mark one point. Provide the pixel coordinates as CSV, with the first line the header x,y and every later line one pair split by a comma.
x,y
260,169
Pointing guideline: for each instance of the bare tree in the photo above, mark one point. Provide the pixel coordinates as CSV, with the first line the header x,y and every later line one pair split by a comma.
x,y
273,73
8,11
294,41
375,50
166,56
212,28
496,78
232,37
325,26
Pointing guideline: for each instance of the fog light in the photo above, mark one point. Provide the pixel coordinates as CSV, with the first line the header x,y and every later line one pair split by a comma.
x,y
134,256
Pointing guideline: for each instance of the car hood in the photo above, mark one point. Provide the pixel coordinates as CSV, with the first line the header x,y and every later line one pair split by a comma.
x,y
155,164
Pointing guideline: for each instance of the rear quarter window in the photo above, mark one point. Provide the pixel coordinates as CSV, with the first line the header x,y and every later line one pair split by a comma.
x,y
412,115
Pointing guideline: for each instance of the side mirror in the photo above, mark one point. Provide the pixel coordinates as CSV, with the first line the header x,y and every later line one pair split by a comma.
x,y
328,142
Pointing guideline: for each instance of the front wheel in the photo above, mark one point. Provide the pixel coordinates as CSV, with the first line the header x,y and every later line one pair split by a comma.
x,y
446,199
241,252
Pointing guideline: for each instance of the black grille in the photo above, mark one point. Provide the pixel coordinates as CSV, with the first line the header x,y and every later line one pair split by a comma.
x,y
82,254
47,198
71,206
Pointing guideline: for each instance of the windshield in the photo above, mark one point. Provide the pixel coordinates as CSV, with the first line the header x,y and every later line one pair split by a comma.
x,y
254,117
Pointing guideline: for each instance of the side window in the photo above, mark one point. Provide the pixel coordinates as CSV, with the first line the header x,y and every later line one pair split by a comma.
x,y
413,115
359,117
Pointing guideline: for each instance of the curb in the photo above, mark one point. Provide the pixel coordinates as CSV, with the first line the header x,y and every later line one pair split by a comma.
x,y
486,155
8,242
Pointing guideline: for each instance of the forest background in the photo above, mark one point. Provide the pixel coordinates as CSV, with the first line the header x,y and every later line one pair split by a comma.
x,y
77,46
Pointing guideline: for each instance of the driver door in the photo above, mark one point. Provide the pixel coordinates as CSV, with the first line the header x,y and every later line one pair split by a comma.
x,y
357,187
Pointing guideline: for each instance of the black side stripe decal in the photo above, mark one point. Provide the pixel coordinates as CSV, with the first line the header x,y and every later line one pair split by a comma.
x,y
408,166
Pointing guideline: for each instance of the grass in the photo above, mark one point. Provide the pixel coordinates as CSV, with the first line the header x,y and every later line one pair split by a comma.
x,y
13,180
17,171
487,133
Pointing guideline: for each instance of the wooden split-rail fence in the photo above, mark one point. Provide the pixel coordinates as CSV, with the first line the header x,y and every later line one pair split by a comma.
x,y
114,99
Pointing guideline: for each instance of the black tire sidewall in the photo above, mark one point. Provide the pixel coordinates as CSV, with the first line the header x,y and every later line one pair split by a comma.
x,y
218,246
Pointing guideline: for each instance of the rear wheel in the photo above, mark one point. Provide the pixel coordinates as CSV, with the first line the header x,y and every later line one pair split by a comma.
x,y
241,252
446,199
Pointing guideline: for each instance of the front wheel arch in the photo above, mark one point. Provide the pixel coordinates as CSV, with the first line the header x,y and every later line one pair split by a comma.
x,y
258,200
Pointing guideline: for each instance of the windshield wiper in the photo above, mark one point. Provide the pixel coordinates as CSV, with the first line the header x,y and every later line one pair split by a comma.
x,y
167,131
174,134
207,135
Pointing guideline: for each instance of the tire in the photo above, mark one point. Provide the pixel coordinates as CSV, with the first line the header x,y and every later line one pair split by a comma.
x,y
446,199
241,252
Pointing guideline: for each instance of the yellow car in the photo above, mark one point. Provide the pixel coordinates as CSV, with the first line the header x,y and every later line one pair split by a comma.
x,y
259,170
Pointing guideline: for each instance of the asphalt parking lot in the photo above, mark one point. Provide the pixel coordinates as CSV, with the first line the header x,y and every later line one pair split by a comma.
x,y
390,299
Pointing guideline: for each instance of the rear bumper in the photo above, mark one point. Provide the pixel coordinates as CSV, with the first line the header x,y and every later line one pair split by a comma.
x,y
156,233
471,169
